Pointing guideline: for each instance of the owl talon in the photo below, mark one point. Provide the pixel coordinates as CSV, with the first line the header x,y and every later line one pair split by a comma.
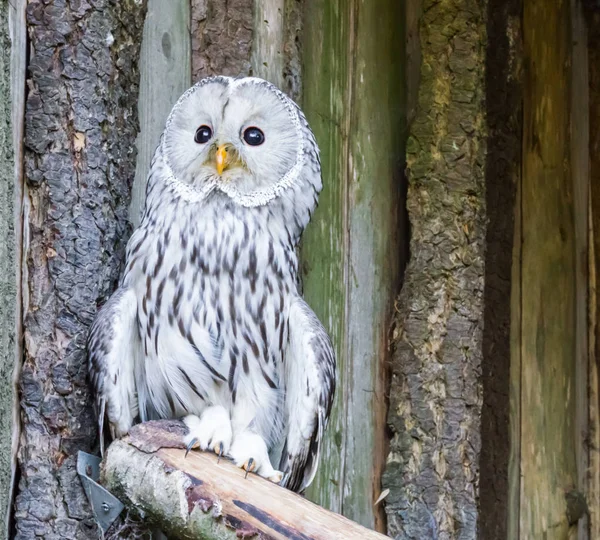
x,y
192,444
249,466
219,451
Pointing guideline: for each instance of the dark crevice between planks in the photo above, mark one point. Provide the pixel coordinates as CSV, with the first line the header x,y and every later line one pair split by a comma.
x,y
504,120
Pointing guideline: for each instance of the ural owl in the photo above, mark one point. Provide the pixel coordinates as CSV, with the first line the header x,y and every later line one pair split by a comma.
x,y
208,323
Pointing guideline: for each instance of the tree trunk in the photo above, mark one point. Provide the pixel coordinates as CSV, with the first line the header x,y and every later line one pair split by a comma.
x,y
435,397
81,125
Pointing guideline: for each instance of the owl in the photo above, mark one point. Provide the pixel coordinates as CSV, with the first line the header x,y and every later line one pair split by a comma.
x,y
208,322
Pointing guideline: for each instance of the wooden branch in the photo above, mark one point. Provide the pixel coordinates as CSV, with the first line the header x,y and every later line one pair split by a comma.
x,y
196,497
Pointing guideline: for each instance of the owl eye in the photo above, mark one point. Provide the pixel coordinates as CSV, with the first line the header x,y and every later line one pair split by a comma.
x,y
254,136
203,134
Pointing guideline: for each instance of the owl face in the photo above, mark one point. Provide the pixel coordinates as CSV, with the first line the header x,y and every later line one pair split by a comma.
x,y
243,132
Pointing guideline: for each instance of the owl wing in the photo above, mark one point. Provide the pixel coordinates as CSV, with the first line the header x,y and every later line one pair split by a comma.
x,y
310,385
113,343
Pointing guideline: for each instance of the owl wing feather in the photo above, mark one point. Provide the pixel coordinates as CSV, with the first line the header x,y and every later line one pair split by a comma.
x,y
113,343
310,385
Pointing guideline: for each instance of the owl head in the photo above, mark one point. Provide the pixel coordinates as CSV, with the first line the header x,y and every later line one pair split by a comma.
x,y
242,136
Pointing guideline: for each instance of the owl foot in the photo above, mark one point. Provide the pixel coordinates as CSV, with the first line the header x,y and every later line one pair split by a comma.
x,y
249,452
212,431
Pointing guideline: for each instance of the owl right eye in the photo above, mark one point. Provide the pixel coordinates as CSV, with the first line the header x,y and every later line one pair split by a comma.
x,y
203,135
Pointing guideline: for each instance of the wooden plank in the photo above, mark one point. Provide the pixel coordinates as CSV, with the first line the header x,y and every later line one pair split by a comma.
x,y
593,22
548,318
200,497
580,172
351,252
269,39
12,88
514,460
593,493
376,245
324,246
165,73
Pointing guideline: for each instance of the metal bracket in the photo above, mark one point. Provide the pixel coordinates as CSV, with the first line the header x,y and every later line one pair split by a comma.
x,y
105,505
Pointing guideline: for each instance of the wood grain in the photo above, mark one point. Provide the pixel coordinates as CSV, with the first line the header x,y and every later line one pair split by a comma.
x,y
549,269
593,25
198,497
12,91
580,174
165,73
353,96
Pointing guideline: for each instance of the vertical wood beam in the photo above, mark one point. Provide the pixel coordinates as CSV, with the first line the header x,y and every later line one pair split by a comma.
x,y
324,247
353,95
549,447
165,73
580,173
12,91
593,24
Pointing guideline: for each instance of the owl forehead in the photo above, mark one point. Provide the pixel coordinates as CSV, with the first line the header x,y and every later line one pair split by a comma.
x,y
222,103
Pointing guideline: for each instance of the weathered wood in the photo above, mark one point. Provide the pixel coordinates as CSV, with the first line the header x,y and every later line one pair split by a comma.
x,y
324,263
514,457
435,397
267,45
593,24
352,251
548,290
11,120
80,124
165,73
201,498
580,174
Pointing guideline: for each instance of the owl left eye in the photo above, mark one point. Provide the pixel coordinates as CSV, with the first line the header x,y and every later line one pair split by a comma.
x,y
203,135
254,136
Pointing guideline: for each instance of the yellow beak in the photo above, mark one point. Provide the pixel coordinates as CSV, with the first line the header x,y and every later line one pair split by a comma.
x,y
221,158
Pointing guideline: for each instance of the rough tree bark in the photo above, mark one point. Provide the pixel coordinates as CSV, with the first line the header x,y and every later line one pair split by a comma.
x,y
248,37
436,396
81,124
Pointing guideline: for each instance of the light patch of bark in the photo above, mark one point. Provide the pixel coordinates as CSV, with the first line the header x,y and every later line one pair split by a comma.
x,y
436,395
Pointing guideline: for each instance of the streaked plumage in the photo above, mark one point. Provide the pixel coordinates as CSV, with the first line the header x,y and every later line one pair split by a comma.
x,y
208,316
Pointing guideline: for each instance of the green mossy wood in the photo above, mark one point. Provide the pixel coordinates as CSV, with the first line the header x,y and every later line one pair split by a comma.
x,y
353,96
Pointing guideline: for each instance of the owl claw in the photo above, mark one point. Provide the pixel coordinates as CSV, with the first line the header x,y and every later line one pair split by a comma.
x,y
249,466
219,451
192,444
